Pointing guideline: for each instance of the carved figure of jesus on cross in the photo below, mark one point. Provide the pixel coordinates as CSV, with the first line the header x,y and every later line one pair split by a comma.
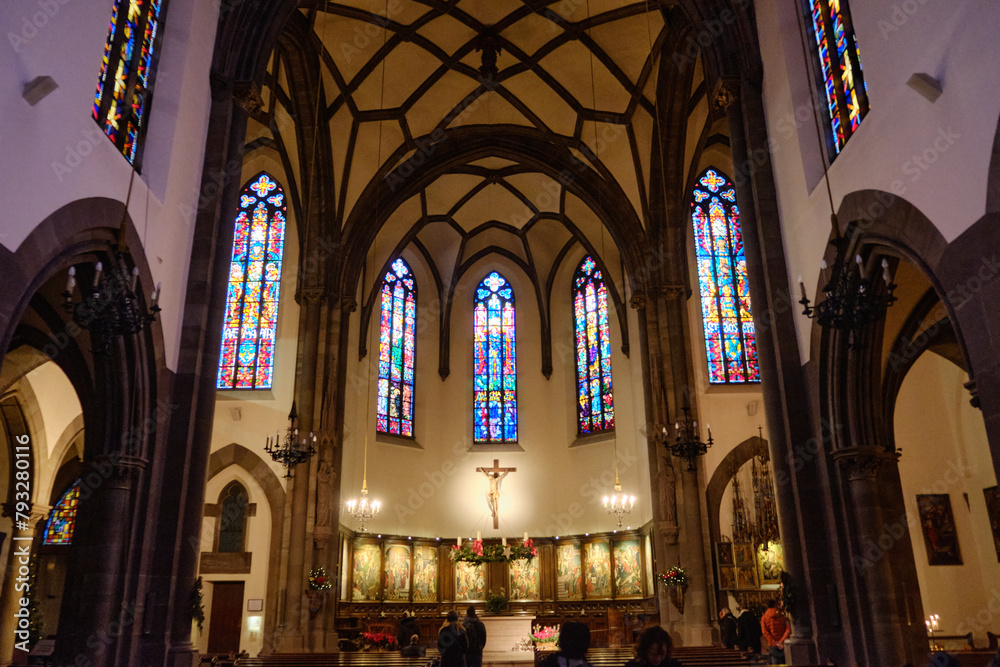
x,y
495,475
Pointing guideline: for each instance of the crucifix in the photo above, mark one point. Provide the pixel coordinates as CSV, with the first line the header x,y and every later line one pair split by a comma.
x,y
495,475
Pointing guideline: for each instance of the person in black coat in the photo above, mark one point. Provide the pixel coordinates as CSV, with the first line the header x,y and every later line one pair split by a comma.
x,y
476,633
748,632
408,627
414,649
727,628
452,642
653,649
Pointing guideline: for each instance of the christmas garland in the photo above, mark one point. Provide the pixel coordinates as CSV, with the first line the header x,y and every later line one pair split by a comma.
x,y
318,580
476,552
674,576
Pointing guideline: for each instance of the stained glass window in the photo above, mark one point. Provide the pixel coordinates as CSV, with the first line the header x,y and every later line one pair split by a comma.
x,y
62,518
246,360
125,86
495,362
845,94
722,277
595,407
232,519
395,353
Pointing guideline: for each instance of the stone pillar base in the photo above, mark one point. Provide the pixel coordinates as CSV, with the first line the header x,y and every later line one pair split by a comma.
x,y
288,643
701,634
184,655
801,652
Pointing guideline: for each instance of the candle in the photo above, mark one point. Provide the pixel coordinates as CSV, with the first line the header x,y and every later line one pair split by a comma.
x,y
479,535
802,287
156,294
460,542
71,279
503,540
135,277
525,536
885,271
97,273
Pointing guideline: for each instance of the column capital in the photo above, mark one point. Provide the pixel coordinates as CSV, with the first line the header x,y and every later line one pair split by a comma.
x,y
725,92
674,292
638,300
312,294
348,304
246,96
863,463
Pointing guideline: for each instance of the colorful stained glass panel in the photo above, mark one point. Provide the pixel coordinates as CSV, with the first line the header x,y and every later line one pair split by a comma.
x,y
397,340
722,278
62,518
246,357
494,355
595,404
124,86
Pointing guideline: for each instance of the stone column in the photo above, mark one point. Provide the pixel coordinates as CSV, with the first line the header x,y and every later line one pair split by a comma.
x,y
860,466
697,630
101,542
295,620
21,541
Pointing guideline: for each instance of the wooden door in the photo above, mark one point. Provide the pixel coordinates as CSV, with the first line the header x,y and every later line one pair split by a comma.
x,y
227,617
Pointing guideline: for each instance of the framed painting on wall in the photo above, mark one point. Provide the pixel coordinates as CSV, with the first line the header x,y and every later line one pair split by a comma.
x,y
628,568
770,563
598,577
724,552
470,581
365,575
397,572
744,553
425,574
938,524
746,576
569,575
727,577
993,512
523,579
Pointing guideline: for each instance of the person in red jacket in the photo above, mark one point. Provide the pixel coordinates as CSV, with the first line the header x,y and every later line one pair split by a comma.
x,y
776,629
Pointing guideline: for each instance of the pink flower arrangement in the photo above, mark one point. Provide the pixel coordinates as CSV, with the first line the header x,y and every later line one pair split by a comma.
x,y
548,634
477,547
530,544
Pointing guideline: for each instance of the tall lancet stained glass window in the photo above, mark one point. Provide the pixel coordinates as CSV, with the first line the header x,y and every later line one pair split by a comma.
x,y
62,518
495,362
125,85
844,93
397,331
722,277
246,360
595,405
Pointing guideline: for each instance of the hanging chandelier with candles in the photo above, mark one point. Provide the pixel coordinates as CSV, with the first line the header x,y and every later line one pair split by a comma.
x,y
686,443
110,307
291,451
853,299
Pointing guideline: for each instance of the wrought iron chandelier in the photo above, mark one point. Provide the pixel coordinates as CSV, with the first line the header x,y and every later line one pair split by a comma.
x,y
853,299
291,451
686,443
110,307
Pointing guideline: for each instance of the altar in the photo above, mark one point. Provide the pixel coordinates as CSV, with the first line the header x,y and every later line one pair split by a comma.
x,y
502,633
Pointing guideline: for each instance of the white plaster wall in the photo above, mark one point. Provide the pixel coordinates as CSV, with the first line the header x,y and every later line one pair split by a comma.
x,y
945,450
935,155
57,154
258,542
557,489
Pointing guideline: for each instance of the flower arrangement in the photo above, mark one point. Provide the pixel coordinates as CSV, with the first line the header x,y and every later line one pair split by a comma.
x,y
523,644
378,641
674,576
477,552
318,579
547,636
496,600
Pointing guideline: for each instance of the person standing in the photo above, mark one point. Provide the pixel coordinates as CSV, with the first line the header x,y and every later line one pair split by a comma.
x,y
452,642
476,632
776,630
748,632
727,628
